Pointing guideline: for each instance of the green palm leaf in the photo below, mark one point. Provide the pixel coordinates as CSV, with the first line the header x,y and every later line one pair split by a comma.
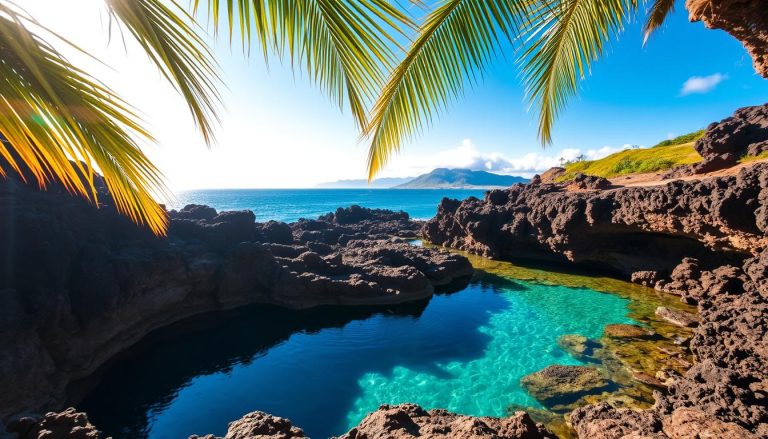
x,y
60,124
566,37
344,45
173,45
455,42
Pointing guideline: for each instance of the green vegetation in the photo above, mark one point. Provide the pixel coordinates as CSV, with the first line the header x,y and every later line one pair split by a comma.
x,y
635,161
685,138
752,158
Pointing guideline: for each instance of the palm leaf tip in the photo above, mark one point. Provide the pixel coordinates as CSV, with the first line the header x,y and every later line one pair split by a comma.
x,y
169,36
658,13
565,38
455,42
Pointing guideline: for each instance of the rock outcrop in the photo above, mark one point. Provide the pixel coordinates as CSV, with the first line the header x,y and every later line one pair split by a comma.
x,y
718,220
406,421
725,142
259,425
745,20
78,285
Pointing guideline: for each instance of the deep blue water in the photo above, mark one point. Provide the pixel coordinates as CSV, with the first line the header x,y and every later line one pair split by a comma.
x,y
326,368
291,204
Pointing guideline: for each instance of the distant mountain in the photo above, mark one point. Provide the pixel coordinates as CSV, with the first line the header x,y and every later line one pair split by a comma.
x,y
379,183
461,178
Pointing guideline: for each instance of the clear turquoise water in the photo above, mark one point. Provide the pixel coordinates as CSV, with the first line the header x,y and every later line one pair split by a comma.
x,y
326,368
291,204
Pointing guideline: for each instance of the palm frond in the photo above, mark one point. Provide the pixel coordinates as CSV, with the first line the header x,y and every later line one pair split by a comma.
x,y
454,44
344,45
564,38
173,45
60,124
656,16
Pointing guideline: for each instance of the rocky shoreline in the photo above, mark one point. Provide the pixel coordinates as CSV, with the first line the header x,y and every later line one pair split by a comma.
x,y
81,285
703,240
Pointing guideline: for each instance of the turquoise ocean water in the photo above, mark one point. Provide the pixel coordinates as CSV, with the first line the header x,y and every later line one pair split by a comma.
x,y
292,204
326,368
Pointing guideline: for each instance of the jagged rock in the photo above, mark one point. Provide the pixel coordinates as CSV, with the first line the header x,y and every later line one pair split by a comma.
x,y
407,421
627,229
677,317
563,383
724,142
622,330
259,425
691,423
536,179
745,20
68,424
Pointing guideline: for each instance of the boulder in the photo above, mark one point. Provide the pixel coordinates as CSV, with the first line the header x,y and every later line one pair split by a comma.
x,y
68,424
259,425
557,384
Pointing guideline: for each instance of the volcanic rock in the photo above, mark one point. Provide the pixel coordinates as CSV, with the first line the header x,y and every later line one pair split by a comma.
x,y
68,424
745,20
719,220
407,421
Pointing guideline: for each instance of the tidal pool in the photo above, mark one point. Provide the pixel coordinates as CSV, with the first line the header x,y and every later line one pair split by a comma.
x,y
326,368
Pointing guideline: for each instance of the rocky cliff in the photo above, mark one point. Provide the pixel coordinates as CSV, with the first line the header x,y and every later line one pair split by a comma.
x,y
79,285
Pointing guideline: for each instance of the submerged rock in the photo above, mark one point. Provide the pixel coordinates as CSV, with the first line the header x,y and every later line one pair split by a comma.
x,y
577,345
558,384
406,421
677,317
621,330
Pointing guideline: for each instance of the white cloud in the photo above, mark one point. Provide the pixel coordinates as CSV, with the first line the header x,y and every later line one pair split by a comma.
x,y
701,84
468,156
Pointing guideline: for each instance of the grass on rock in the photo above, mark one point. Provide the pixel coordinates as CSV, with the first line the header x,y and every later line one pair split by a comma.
x,y
635,161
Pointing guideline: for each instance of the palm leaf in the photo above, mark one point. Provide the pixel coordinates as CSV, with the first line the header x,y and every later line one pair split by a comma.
x,y
454,44
344,45
565,38
60,124
174,47
656,16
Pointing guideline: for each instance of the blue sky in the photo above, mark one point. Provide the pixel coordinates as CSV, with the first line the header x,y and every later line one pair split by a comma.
x,y
279,131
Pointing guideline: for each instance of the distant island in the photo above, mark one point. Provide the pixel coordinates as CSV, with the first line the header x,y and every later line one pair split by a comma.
x,y
440,178
379,183
461,179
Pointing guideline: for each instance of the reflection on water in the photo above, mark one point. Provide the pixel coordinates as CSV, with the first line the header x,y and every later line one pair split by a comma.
x,y
326,368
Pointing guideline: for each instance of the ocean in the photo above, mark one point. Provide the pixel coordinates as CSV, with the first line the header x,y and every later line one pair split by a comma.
x,y
291,204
